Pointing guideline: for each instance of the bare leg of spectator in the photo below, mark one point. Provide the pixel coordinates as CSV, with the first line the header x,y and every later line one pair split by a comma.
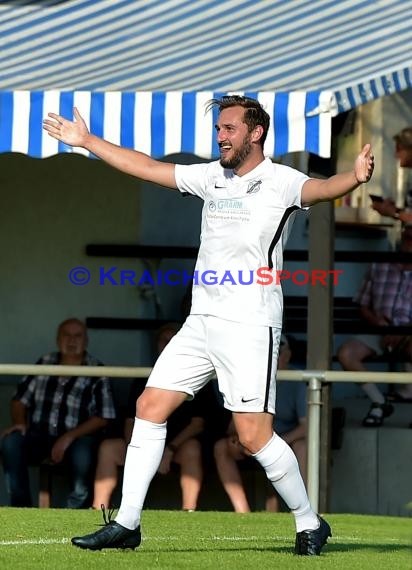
x,y
299,448
189,457
351,356
226,457
272,504
111,456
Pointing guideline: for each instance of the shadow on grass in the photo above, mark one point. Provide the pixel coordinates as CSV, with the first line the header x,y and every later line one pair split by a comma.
x,y
377,548
330,547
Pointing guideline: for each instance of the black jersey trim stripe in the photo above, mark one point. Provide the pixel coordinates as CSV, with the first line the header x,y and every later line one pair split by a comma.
x,y
269,370
279,231
186,194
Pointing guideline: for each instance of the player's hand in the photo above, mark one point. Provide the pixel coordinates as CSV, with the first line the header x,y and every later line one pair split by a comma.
x,y
73,133
364,164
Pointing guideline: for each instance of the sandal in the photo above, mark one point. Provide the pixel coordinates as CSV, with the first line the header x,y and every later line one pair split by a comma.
x,y
376,414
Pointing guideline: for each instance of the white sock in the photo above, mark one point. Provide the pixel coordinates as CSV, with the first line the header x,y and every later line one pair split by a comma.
x,y
143,457
282,470
373,393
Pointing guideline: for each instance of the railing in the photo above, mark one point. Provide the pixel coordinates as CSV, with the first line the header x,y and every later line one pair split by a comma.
x,y
314,378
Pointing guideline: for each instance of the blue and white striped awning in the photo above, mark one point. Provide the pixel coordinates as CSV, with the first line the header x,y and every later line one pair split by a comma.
x,y
357,49
160,123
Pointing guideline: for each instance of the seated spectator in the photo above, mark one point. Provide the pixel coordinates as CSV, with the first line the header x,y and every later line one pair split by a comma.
x,y
385,298
403,153
289,423
58,418
183,442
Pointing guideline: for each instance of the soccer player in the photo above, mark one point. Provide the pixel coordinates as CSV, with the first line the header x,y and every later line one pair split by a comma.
x,y
233,330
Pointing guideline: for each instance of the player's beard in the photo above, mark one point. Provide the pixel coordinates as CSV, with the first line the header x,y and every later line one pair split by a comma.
x,y
238,156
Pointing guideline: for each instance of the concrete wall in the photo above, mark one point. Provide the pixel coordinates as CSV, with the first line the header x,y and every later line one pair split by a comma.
x,y
371,473
50,210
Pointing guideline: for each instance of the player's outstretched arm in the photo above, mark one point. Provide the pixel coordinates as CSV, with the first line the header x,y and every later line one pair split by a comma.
x,y
317,190
76,133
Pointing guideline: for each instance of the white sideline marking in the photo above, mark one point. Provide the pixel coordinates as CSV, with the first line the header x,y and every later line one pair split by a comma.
x,y
40,541
145,538
35,541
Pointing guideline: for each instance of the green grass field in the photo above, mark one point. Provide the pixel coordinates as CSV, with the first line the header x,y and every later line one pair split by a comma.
x,y
33,538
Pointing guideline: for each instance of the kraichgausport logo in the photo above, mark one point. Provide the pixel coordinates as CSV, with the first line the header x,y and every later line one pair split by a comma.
x,y
260,276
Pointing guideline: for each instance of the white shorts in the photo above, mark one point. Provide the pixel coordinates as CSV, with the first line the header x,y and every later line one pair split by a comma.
x,y
244,358
372,341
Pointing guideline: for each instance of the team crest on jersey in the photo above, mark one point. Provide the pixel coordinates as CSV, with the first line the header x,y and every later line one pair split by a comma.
x,y
253,186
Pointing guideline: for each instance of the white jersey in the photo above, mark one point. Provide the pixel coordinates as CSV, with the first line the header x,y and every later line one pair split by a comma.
x,y
245,223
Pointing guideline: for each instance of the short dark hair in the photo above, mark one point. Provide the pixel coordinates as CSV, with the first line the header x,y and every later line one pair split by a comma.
x,y
254,112
72,320
404,138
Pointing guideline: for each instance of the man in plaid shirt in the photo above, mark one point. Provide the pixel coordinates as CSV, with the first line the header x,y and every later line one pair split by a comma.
x,y
58,418
385,298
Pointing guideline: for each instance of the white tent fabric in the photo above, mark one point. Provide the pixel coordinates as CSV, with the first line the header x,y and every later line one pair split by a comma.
x,y
159,123
347,53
